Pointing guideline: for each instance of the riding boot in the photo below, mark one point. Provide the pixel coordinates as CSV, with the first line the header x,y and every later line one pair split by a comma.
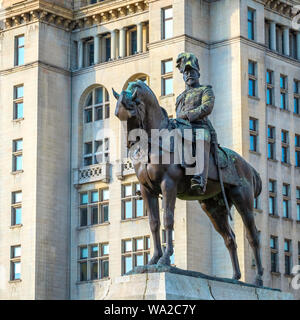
x,y
199,181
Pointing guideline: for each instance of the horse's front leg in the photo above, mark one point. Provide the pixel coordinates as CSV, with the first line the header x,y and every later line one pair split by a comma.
x,y
152,207
169,191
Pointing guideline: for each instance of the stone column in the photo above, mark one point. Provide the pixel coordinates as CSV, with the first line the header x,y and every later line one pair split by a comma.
x,y
122,40
96,49
139,37
298,45
286,41
273,36
113,45
80,53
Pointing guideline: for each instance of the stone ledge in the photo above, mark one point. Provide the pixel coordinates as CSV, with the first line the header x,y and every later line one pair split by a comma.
x,y
149,284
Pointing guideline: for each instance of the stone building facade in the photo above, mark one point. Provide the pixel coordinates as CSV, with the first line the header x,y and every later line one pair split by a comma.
x,y
71,217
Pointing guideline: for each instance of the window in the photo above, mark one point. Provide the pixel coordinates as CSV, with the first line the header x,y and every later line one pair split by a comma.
x,y
96,105
164,244
167,77
256,203
283,92
296,97
253,129
284,146
272,197
133,41
19,50
93,262
135,252
132,202
285,201
287,256
94,207
18,102
89,52
16,208
271,143
252,78
274,253
18,155
167,23
251,15
297,150
96,152
298,203
270,87
107,48
15,262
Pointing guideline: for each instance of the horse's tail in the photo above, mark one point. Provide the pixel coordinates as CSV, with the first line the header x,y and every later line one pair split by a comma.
x,y
257,183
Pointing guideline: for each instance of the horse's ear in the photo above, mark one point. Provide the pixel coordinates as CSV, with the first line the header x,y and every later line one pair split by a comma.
x,y
116,95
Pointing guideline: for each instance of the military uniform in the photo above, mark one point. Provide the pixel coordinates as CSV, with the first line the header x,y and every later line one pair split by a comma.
x,y
194,105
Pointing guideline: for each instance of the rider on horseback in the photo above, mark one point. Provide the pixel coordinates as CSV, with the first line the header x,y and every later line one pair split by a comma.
x,y
194,105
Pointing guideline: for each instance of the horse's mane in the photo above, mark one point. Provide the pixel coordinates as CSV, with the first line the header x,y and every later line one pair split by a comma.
x,y
150,94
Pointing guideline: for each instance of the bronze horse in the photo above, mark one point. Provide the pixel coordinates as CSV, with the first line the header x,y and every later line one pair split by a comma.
x,y
139,106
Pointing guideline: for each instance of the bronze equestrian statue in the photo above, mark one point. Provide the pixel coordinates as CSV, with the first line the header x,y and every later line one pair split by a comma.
x,y
227,179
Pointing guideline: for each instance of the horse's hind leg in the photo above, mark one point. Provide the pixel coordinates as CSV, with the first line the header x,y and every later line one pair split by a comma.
x,y
152,207
216,211
243,200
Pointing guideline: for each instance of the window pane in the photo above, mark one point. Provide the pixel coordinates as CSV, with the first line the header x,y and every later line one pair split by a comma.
x,y
19,92
128,246
139,208
94,270
168,86
99,113
21,41
168,29
20,56
18,163
107,111
99,95
105,194
128,190
105,268
105,249
139,260
83,217
19,110
168,13
89,100
16,252
16,270
84,198
128,209
94,217
17,197
94,251
95,196
88,148
139,244
18,145
83,253
88,115
251,87
105,212
168,66
17,212
251,68
128,264
83,271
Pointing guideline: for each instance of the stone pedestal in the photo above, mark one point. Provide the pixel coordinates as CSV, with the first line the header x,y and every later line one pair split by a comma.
x,y
172,286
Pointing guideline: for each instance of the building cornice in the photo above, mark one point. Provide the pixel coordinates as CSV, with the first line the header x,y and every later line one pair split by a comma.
x,y
285,8
97,14
35,64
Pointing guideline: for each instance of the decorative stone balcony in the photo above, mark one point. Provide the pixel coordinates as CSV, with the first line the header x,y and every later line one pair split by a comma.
x,y
124,168
93,173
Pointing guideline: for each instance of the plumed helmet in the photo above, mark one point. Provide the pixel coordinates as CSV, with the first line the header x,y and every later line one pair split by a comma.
x,y
187,59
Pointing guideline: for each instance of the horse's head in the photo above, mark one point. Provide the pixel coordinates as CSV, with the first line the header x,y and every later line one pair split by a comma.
x,y
128,103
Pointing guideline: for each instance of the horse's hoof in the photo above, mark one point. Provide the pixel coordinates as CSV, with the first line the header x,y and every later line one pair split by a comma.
x,y
259,282
236,276
165,261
